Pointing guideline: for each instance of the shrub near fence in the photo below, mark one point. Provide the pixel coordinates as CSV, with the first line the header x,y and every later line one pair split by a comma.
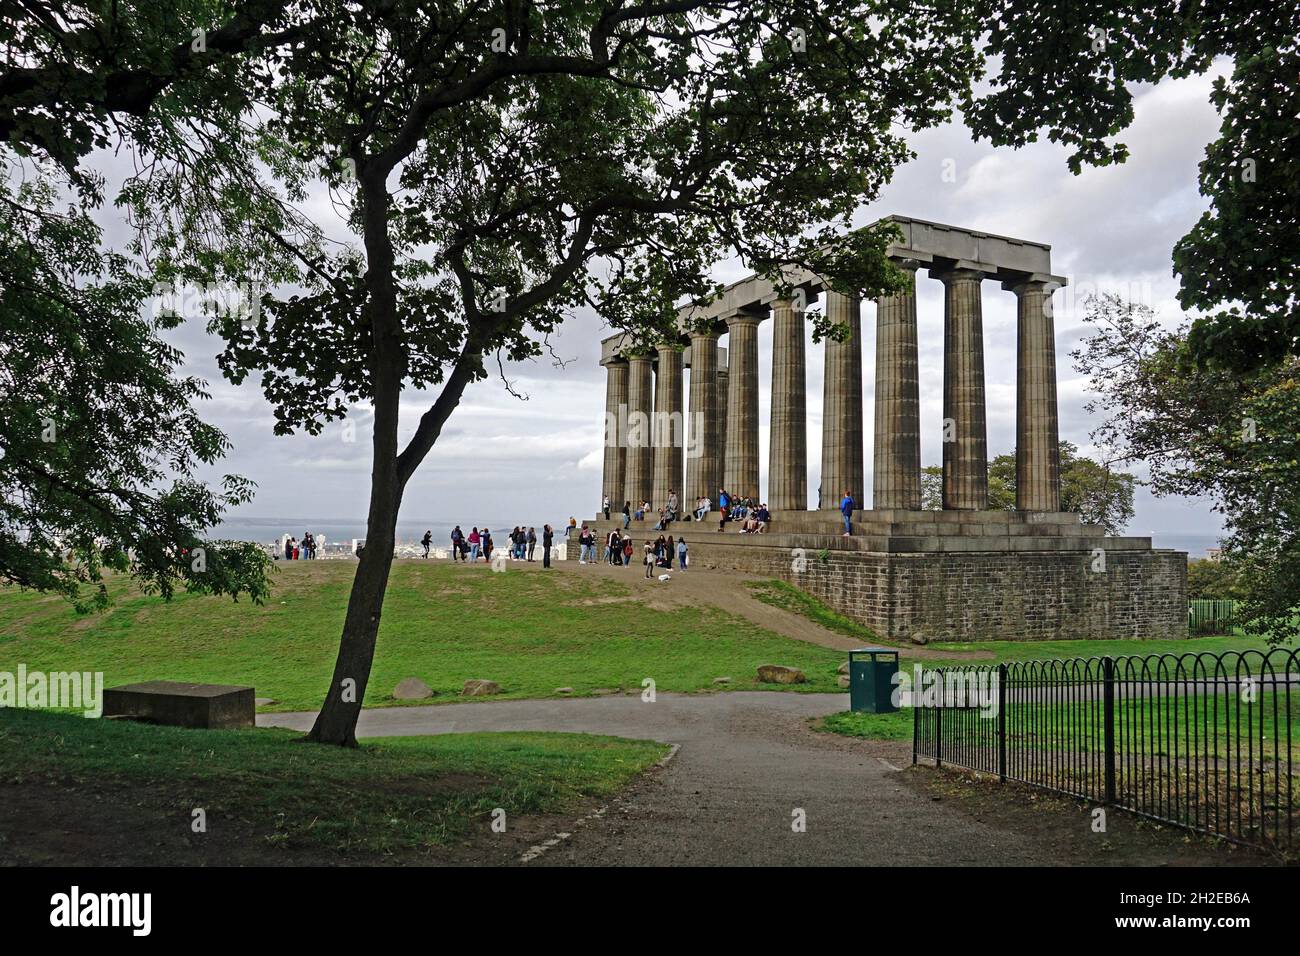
x,y
1203,741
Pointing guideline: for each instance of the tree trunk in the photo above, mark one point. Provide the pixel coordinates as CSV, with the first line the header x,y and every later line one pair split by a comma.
x,y
337,721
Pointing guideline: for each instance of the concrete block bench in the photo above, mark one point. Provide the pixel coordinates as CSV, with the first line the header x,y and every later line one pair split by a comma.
x,y
205,706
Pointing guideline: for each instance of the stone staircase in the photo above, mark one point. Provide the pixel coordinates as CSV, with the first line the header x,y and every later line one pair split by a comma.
x,y
901,532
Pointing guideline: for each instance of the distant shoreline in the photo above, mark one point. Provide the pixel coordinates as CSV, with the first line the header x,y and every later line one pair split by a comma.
x,y
267,531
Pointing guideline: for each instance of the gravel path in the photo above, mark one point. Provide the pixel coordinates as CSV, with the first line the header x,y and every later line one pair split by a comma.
x,y
747,761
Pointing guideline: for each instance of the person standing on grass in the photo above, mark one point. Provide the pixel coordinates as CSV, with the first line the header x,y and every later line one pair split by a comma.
x,y
649,559
532,541
681,553
548,538
457,539
427,541
486,535
846,509
475,542
628,550
670,550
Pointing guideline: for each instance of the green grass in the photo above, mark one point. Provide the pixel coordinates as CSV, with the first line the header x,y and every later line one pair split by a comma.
x,y
1173,726
786,596
790,598
1182,726
530,632
390,794
895,726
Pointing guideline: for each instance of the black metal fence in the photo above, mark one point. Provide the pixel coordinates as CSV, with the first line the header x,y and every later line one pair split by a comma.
x,y
1203,741
1213,616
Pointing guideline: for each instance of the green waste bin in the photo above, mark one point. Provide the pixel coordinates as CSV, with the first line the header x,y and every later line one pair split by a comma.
x,y
871,680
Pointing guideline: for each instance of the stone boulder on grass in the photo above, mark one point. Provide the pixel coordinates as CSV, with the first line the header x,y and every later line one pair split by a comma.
x,y
780,674
412,688
480,688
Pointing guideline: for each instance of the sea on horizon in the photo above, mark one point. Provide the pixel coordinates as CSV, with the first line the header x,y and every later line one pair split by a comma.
x,y
411,530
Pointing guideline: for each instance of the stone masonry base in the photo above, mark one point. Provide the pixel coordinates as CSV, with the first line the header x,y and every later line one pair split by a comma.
x,y
970,595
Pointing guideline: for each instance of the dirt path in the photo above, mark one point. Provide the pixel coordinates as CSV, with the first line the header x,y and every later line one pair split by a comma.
x,y
748,767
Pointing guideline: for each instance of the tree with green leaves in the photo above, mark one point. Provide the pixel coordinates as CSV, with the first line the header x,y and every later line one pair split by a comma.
x,y
1207,431
1213,579
100,442
1066,70
100,447
1089,489
500,163
505,163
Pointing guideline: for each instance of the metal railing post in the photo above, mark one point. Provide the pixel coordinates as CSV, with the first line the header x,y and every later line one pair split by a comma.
x,y
916,727
1108,677
1002,723
938,733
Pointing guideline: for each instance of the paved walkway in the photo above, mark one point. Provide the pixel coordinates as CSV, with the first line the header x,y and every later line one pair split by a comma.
x,y
747,761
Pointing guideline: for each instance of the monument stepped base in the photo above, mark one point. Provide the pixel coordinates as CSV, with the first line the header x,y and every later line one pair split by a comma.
x,y
957,576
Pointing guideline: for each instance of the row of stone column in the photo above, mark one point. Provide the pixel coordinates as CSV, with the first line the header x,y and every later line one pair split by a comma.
x,y
724,408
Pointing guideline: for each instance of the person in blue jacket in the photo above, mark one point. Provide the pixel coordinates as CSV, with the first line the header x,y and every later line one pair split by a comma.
x,y
846,509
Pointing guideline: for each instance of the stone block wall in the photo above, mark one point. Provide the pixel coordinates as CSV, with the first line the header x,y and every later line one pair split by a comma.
x,y
1012,595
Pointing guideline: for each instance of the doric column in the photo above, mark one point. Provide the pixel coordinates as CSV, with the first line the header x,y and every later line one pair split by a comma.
x,y
1038,449
787,468
637,478
740,476
670,428
896,467
703,451
965,445
842,405
615,423
724,398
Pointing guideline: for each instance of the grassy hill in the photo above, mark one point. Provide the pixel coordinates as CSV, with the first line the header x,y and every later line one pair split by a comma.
x,y
531,632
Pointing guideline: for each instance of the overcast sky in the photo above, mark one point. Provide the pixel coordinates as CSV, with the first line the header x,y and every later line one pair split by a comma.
x,y
1110,229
